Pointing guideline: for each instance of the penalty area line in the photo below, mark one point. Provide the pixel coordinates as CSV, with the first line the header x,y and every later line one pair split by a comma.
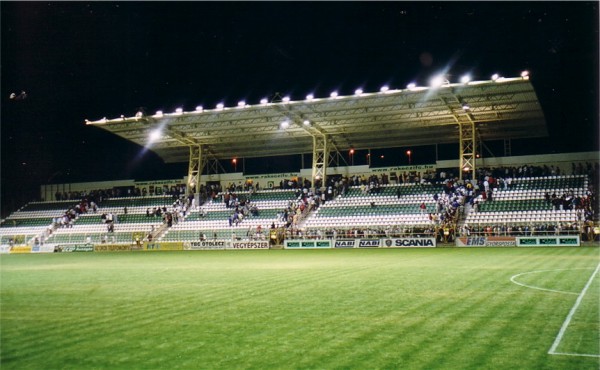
x,y
563,329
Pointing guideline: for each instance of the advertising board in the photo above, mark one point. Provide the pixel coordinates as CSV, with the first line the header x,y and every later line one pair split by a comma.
x,y
112,248
45,248
307,244
163,246
369,243
249,245
206,245
549,241
486,241
409,243
74,248
344,243
20,249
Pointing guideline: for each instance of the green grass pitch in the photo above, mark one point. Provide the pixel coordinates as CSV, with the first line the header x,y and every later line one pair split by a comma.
x,y
445,308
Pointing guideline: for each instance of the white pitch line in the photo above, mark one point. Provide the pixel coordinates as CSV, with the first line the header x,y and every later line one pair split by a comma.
x,y
573,354
563,329
514,277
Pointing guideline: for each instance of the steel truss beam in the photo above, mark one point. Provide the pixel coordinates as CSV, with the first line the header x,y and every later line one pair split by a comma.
x,y
320,159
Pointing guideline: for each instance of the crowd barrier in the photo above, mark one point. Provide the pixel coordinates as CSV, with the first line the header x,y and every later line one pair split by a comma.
x,y
519,241
361,243
471,241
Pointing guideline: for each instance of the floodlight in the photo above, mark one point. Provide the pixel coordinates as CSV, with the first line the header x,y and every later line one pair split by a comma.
x,y
525,74
358,91
310,97
159,113
465,79
466,107
495,76
241,104
384,88
285,99
334,94
411,85
220,106
264,101
155,135
437,81
285,124
199,108
306,122
179,110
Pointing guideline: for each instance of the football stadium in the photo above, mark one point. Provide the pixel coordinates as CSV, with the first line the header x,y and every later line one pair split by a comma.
x,y
483,258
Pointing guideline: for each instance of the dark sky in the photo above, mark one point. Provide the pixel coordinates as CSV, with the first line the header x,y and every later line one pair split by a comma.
x,y
99,59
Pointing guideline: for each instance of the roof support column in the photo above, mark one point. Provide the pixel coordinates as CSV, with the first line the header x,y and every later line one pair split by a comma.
x,y
320,158
507,148
468,145
195,168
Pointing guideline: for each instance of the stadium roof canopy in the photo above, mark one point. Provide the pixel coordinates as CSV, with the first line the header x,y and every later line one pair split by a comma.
x,y
503,108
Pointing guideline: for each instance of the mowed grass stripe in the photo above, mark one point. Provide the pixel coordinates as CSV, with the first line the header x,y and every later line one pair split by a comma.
x,y
154,310
286,309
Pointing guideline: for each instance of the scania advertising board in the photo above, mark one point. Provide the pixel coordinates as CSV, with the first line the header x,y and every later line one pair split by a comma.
x,y
409,243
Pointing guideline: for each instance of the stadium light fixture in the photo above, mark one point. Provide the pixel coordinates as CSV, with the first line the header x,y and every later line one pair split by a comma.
x,y
334,94
159,113
241,104
411,85
310,97
495,76
306,122
437,81
264,101
525,75
358,91
179,110
220,106
384,88
465,79
286,99
155,135
285,124
199,108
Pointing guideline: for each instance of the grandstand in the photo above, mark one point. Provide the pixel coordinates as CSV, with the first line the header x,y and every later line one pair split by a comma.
x,y
329,199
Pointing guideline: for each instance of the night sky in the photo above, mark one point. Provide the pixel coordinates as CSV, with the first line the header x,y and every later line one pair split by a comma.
x,y
80,61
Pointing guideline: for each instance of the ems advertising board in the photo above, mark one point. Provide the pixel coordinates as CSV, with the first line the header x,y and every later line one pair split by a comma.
x,y
486,241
